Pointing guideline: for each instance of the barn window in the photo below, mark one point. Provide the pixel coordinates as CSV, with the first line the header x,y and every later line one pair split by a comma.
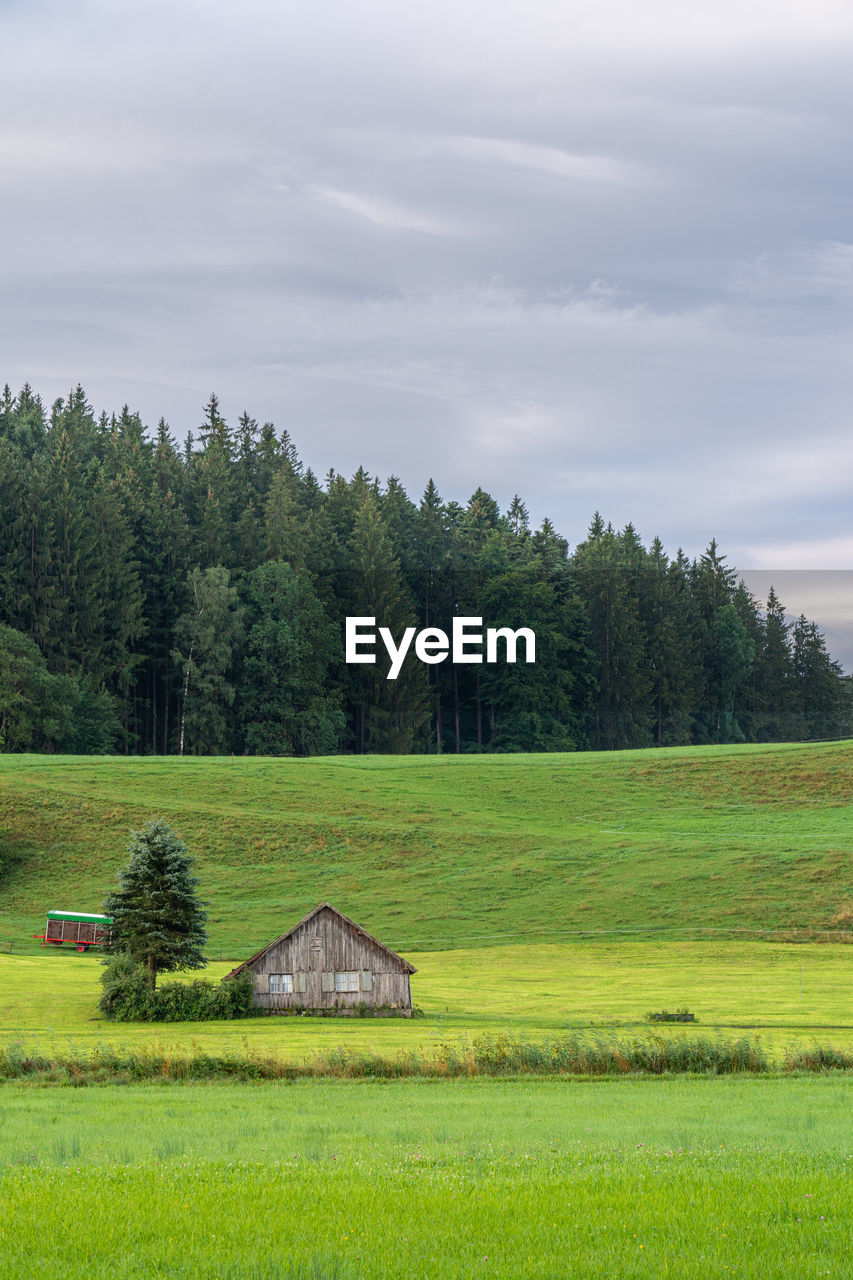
x,y
281,984
346,981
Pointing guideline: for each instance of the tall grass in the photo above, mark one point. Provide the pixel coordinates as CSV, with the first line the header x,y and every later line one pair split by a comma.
x,y
501,1055
818,1058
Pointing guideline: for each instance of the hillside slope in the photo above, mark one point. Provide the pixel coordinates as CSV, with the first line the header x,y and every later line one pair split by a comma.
x,y
429,851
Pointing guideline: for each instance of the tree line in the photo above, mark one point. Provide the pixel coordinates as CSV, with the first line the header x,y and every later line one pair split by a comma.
x,y
161,598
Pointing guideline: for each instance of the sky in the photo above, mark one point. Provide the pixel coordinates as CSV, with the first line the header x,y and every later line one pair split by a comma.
x,y
600,255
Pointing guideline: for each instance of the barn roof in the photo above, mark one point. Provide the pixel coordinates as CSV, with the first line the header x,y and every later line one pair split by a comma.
x,y
323,906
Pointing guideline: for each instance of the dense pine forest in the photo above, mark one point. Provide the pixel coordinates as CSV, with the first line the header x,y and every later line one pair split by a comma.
x,y
165,598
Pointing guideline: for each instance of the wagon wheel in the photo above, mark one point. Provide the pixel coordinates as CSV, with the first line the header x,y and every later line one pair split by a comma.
x,y
81,946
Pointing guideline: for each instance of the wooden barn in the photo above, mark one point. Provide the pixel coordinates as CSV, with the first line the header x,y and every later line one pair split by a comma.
x,y
329,962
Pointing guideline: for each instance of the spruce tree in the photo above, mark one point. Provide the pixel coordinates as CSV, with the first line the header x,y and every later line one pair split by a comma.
x,y
606,566
206,635
775,692
674,626
388,713
819,683
157,916
284,705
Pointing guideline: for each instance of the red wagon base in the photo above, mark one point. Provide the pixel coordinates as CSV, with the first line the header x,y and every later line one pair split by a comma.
x,y
83,929
57,942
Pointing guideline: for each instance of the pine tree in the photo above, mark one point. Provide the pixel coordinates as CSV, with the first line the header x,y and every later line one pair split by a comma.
x,y
247,532
775,693
545,705
606,566
733,654
821,691
388,713
518,518
285,707
286,524
400,518
205,636
673,622
432,590
157,916
72,634
550,549
212,484
713,586
163,551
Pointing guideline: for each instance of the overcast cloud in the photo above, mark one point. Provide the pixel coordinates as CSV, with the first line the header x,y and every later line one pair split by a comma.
x,y
601,255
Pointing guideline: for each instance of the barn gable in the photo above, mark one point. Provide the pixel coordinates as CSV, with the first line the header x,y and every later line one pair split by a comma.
x,y
327,961
303,924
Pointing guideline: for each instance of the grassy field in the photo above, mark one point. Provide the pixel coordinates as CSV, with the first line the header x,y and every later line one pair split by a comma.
x,y
789,994
690,1178
431,852
486,873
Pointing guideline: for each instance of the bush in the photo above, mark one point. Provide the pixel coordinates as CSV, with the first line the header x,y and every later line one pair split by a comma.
x,y
127,994
128,997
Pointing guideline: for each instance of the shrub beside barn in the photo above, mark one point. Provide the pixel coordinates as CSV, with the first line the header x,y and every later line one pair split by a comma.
x,y
327,961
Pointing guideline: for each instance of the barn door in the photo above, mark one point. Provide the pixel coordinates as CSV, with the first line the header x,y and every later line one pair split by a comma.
x,y
315,969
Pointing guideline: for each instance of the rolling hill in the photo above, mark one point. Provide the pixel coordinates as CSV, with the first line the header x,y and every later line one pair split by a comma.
x,y
454,850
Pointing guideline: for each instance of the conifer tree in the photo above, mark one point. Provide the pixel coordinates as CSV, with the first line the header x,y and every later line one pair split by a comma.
x,y
163,553
606,581
820,686
212,484
674,624
205,635
775,713
733,652
285,706
102,522
157,916
286,525
388,712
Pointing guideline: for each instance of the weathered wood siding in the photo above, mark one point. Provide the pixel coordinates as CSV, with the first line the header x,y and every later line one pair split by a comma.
x,y
326,944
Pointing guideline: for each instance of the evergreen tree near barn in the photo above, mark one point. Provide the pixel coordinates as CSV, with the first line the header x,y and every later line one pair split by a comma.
x,y
158,919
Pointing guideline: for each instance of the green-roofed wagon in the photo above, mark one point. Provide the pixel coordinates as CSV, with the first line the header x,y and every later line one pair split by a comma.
x,y
81,928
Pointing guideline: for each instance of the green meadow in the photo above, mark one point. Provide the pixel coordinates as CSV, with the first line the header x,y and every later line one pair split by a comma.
x,y
439,852
539,897
691,1178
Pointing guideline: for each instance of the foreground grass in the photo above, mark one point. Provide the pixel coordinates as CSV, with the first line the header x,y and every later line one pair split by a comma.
x,y
686,1219
788,994
452,851
684,1178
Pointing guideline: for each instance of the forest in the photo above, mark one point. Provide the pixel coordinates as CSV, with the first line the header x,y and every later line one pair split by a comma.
x,y
166,598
